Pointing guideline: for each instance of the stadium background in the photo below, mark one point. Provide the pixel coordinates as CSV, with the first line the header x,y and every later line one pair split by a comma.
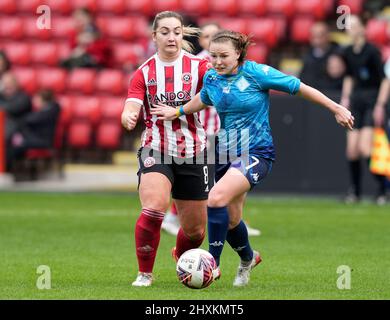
x,y
94,153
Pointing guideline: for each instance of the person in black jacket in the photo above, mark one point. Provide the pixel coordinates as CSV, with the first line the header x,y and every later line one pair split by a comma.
x,y
37,130
14,102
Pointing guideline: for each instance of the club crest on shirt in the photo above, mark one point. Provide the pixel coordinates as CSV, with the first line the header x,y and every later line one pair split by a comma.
x,y
242,84
149,161
186,78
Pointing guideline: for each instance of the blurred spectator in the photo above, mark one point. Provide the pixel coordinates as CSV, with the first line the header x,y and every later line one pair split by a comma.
x,y
360,94
89,48
208,30
314,68
335,70
37,129
15,102
5,65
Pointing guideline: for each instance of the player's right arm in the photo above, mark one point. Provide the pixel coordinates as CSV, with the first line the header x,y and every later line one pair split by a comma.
x,y
134,101
130,115
165,112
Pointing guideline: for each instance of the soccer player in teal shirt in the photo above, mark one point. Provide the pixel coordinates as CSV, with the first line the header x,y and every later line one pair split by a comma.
x,y
239,90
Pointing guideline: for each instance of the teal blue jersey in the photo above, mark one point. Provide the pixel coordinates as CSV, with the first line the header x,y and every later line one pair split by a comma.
x,y
242,103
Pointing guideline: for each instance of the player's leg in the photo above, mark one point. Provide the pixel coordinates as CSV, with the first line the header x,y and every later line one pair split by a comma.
x,y
192,215
354,163
232,185
190,192
155,184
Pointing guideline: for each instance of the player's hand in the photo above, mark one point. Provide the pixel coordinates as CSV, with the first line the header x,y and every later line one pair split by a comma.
x,y
344,117
164,112
129,119
379,115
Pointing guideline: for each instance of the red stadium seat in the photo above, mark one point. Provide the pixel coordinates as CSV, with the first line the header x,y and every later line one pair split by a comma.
x,y
252,7
235,24
141,28
258,53
18,52
29,6
11,28
356,6
128,54
79,135
281,7
108,135
81,80
112,6
44,53
62,27
110,81
142,7
27,79
59,6
86,109
376,31
90,4
32,31
199,7
312,8
119,28
263,30
51,78
164,5
300,29
8,6
111,108
227,7
66,104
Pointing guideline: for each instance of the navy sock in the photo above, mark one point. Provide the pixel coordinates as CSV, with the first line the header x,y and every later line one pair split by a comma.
x,y
218,223
238,240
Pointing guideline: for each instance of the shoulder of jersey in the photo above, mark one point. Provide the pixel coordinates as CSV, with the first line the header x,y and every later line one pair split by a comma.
x,y
192,57
146,62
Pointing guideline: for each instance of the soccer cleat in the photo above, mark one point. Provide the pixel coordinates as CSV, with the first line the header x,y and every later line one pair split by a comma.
x,y
144,279
171,224
173,253
217,273
381,200
243,272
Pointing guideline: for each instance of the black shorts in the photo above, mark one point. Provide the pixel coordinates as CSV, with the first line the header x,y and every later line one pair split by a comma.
x,y
362,107
191,178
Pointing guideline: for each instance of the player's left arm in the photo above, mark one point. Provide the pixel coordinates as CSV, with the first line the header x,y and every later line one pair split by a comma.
x,y
343,115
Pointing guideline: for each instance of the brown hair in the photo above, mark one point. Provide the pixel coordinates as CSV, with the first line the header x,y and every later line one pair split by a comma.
x,y
240,42
187,30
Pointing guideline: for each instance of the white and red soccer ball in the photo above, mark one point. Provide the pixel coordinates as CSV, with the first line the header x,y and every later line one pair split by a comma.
x,y
195,268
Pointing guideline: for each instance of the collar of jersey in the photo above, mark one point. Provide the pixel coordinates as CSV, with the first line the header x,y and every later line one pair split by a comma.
x,y
164,63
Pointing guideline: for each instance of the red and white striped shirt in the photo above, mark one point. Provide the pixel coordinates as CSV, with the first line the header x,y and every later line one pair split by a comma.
x,y
172,83
209,116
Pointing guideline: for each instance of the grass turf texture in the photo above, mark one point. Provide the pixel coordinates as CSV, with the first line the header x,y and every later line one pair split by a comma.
x,y
87,240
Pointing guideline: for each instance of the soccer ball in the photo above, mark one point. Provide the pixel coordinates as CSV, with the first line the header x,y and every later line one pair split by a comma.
x,y
195,268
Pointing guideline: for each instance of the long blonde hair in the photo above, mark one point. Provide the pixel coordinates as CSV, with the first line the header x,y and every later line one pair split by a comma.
x,y
187,30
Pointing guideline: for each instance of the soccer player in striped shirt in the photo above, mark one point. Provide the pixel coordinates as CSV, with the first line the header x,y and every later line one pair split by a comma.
x,y
172,158
239,90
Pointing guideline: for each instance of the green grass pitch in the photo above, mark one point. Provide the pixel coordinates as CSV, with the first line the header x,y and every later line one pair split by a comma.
x,y
87,240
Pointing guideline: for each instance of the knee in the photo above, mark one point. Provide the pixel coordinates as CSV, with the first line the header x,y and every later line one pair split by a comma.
x,y
233,222
155,202
217,199
195,232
